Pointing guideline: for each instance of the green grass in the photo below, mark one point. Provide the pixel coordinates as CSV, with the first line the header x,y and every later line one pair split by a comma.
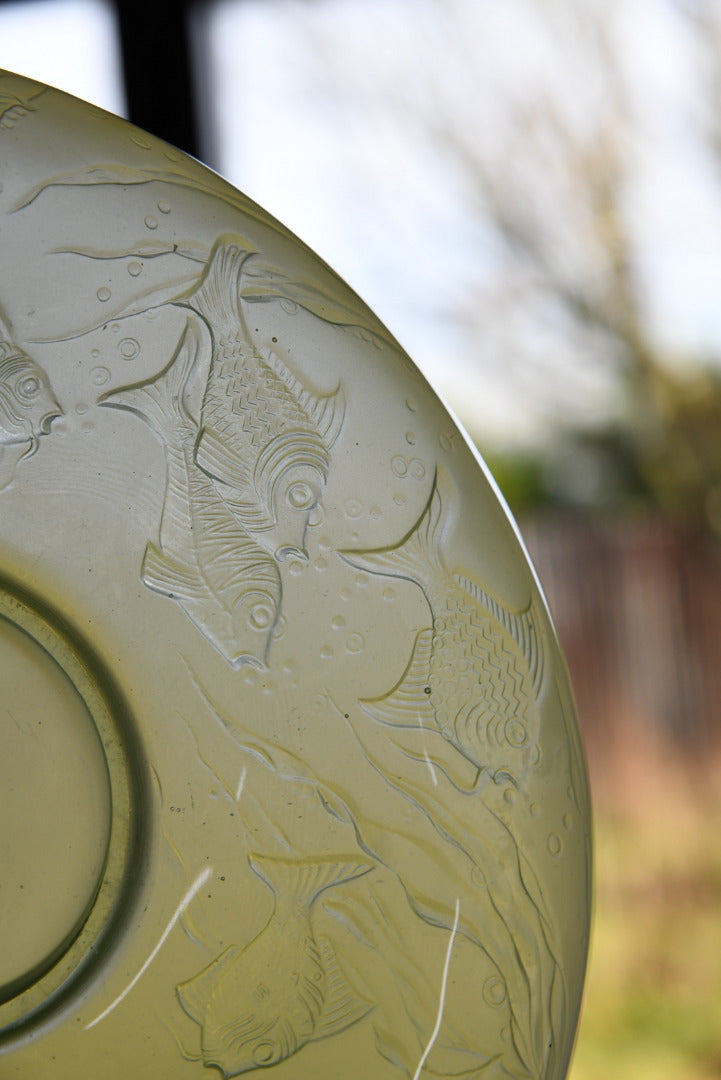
x,y
653,998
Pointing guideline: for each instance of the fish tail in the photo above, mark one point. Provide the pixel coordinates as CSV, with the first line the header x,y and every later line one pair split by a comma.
x,y
417,557
217,297
305,880
162,398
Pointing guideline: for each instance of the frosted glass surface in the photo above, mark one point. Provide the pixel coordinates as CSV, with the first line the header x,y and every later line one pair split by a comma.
x,y
318,772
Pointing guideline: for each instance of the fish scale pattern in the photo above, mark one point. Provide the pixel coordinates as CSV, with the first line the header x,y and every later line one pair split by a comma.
x,y
480,691
247,388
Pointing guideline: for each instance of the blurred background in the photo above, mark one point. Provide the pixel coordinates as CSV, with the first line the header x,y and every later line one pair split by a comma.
x,y
528,194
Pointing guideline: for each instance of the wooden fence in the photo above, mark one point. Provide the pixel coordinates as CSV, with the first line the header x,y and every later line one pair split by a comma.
x,y
637,606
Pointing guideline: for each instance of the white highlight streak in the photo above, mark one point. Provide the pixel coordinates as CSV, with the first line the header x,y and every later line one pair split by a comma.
x,y
192,891
434,778
241,783
429,763
442,1001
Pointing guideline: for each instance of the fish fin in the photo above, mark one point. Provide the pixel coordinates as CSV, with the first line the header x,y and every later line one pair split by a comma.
x,y
218,461
408,704
162,399
249,514
166,575
301,882
195,994
342,1006
266,282
521,625
217,297
327,411
5,325
417,556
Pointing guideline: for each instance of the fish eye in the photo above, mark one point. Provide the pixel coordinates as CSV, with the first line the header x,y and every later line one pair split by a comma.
x,y
28,387
261,615
516,733
301,496
264,1053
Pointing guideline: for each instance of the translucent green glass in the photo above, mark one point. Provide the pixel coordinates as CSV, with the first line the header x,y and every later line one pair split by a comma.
x,y
290,773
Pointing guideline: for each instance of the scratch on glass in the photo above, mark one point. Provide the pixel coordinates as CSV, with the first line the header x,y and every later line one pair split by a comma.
x,y
442,1000
429,763
241,784
188,896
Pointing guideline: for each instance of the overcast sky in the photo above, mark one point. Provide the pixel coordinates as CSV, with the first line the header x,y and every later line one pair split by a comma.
x,y
365,193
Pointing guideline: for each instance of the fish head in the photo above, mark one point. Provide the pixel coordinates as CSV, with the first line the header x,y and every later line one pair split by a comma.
x,y
249,1041
296,495
234,1060
254,619
240,1012
288,481
27,403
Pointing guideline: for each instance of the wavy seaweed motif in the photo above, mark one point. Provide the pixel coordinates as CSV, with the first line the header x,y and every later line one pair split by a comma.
x,y
458,864
532,975
320,292
373,926
472,683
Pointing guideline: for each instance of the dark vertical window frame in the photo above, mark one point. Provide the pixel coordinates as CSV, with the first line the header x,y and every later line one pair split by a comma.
x,y
158,69
165,60
163,46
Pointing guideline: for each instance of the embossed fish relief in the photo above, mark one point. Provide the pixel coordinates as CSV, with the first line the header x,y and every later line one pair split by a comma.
x,y
27,402
224,581
13,108
475,674
260,1004
264,437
